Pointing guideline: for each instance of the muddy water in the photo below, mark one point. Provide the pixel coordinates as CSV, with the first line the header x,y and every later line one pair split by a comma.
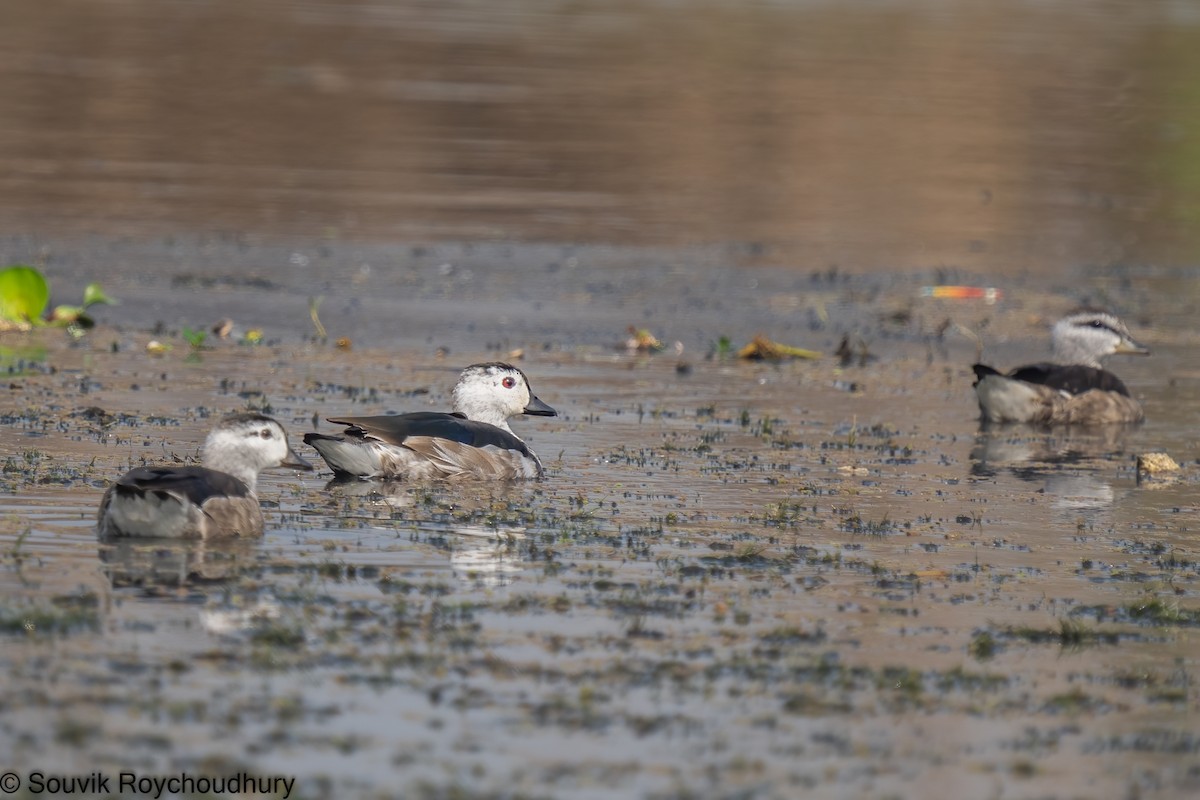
x,y
881,135
737,579
766,579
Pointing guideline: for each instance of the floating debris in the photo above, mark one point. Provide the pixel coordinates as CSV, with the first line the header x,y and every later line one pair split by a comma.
x,y
1156,462
643,341
222,328
314,304
1156,467
989,294
763,349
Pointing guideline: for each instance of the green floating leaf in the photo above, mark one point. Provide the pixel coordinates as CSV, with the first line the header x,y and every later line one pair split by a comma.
x,y
94,295
24,294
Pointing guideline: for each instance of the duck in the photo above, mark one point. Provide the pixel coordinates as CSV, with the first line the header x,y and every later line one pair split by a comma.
x,y
211,501
1074,388
473,441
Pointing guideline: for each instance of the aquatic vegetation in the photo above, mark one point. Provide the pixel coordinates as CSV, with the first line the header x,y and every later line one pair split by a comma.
x,y
63,615
273,634
195,337
15,556
25,294
853,522
1075,701
1159,612
1071,633
753,578
722,348
983,646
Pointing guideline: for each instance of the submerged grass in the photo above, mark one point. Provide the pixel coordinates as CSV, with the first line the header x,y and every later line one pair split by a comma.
x,y
1070,633
1160,612
63,615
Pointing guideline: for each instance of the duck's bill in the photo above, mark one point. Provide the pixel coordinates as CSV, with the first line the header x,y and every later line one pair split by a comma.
x,y
537,408
1131,348
295,461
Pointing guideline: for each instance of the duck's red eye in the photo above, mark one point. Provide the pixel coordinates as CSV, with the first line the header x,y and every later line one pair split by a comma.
x,y
508,383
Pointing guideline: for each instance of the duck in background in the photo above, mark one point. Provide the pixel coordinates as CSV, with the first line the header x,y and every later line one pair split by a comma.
x,y
1072,389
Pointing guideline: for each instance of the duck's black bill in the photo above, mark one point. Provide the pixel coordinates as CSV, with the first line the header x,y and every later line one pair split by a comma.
x,y
537,408
295,461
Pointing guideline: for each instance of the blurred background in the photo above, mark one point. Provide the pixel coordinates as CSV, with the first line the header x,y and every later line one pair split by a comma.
x,y
868,135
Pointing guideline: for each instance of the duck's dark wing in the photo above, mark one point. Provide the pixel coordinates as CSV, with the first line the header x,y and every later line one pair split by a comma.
x,y
1069,378
197,484
394,429
982,371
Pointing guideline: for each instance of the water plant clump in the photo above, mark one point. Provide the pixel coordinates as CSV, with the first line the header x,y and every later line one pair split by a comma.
x,y
25,297
63,615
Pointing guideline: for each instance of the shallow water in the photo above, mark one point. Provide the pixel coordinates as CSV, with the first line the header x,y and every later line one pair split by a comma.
x,y
737,579
743,579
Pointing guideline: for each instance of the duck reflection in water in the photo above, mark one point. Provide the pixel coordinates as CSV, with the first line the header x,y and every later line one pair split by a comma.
x,y
156,564
486,555
1076,467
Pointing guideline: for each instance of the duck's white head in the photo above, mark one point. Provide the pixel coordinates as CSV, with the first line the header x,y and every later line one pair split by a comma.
x,y
244,444
1087,336
495,391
